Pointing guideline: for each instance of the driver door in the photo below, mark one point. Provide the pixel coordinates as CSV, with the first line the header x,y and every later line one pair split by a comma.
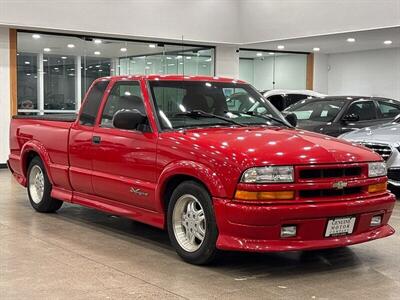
x,y
124,161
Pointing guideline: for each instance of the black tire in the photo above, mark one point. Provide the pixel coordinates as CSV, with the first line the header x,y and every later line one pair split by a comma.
x,y
46,204
207,251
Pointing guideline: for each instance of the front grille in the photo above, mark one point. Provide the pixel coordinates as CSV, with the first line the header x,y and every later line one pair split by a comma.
x,y
330,192
383,150
394,174
330,173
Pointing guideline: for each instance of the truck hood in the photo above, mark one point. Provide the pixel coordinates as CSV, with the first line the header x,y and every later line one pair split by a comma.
x,y
252,146
387,133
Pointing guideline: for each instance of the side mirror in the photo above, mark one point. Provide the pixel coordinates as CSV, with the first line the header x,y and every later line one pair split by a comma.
x,y
292,119
129,119
351,118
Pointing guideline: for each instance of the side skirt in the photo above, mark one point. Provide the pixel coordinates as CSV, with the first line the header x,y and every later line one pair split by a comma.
x,y
149,217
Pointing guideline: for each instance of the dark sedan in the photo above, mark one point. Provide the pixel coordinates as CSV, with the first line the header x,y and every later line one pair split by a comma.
x,y
335,115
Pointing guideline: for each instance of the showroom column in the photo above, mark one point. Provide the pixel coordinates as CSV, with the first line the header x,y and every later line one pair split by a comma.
x,y
227,61
5,94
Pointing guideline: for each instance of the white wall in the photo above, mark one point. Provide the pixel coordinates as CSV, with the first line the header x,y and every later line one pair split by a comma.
x,y
4,93
321,73
226,61
374,72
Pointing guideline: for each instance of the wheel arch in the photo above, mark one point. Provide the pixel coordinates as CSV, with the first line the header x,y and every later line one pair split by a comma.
x,y
181,171
34,149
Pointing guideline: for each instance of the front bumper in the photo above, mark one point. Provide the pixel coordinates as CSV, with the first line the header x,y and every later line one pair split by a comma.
x,y
256,228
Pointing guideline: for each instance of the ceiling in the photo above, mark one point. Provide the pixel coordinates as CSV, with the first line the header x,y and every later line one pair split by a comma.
x,y
337,43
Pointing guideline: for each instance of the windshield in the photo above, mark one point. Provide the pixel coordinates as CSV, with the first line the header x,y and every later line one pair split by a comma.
x,y
221,104
319,111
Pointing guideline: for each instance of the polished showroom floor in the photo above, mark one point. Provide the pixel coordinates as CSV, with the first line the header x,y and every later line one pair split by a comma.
x,y
79,253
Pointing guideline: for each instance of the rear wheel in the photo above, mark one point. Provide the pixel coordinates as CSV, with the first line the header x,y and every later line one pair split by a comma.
x,y
191,223
39,188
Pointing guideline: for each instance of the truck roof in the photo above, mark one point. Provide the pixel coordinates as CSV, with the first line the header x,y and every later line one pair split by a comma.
x,y
175,77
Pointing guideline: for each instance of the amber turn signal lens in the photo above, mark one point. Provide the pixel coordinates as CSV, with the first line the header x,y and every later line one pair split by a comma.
x,y
277,195
378,187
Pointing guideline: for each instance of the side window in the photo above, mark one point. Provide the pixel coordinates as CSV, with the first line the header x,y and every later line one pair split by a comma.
x,y
364,109
388,109
92,103
124,95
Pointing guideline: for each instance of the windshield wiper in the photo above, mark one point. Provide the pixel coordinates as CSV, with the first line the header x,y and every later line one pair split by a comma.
x,y
267,117
200,113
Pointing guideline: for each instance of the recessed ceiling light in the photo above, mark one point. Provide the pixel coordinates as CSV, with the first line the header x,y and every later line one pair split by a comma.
x,y
179,57
97,41
36,36
149,63
56,69
123,49
271,53
27,63
388,42
169,57
259,54
63,57
45,60
71,46
316,49
280,47
188,57
28,74
351,40
97,52
152,45
46,49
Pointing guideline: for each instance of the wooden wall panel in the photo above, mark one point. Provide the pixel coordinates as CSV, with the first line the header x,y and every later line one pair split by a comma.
x,y
310,72
13,71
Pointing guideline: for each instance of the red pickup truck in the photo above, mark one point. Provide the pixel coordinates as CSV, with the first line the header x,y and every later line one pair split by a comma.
x,y
207,158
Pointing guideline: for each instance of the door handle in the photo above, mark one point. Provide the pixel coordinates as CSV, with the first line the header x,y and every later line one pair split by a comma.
x,y
96,139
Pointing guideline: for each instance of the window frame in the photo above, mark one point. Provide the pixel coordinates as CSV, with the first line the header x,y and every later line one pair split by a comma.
x,y
386,102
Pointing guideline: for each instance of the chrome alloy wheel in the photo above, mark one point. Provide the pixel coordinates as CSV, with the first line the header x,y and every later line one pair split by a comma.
x,y
36,184
189,223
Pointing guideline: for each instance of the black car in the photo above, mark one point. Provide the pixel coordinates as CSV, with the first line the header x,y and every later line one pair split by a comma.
x,y
334,115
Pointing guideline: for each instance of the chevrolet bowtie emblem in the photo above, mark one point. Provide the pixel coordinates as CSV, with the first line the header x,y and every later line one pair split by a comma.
x,y
340,185
138,192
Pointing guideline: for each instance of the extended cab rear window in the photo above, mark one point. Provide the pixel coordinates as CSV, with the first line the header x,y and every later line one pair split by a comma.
x,y
92,103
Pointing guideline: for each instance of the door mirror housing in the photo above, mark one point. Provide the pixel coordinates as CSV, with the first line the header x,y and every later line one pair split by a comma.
x,y
351,118
130,119
292,119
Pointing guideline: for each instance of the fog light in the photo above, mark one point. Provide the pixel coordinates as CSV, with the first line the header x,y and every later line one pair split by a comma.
x,y
376,221
288,231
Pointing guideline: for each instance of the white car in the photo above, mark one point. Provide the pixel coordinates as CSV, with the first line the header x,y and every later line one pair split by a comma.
x,y
284,98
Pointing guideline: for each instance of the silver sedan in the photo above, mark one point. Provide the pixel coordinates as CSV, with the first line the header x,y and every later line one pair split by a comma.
x,y
385,140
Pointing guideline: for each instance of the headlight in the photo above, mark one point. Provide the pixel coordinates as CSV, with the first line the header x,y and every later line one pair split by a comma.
x,y
268,174
377,169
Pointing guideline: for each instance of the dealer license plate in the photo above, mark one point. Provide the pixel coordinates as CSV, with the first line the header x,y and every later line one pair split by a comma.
x,y
340,226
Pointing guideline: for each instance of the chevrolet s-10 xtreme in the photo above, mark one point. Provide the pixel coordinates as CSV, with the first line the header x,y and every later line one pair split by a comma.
x,y
185,154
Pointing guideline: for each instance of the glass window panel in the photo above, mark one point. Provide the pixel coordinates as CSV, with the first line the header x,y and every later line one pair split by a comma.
x,y
59,82
27,81
55,71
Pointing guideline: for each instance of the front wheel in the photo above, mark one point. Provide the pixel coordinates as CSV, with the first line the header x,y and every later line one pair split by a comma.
x,y
39,188
191,223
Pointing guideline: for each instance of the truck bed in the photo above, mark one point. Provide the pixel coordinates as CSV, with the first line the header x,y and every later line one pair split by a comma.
x,y
49,117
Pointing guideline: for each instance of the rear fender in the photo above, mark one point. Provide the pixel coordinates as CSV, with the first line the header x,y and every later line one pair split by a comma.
x,y
39,149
